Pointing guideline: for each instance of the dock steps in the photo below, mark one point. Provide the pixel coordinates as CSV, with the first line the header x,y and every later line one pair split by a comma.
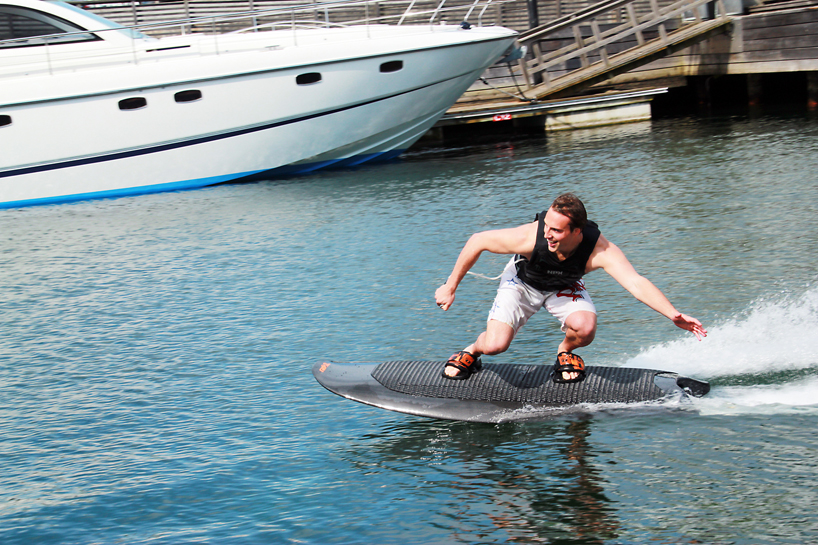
x,y
604,53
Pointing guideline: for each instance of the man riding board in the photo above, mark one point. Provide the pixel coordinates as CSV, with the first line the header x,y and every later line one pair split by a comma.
x,y
551,255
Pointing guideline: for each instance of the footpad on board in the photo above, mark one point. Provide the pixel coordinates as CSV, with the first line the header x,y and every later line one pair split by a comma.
x,y
520,384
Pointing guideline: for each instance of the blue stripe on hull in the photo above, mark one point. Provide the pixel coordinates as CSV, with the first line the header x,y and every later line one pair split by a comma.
x,y
306,168
288,170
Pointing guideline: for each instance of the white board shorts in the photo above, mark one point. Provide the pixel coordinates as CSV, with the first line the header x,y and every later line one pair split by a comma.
x,y
516,301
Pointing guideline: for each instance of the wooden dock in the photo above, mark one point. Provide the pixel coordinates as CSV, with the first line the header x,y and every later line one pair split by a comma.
x,y
570,113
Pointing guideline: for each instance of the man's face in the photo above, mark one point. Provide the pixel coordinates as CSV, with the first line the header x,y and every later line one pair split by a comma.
x,y
558,233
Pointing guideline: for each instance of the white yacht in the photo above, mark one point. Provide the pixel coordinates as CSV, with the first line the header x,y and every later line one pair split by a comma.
x,y
93,109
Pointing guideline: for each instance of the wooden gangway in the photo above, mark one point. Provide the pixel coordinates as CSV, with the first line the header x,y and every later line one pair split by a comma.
x,y
611,48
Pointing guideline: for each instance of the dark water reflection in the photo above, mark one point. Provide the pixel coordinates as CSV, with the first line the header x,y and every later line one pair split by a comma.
x,y
485,489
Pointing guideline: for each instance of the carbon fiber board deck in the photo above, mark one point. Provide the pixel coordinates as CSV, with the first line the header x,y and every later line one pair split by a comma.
x,y
520,383
499,392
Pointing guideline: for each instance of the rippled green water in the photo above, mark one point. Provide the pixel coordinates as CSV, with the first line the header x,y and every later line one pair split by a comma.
x,y
155,355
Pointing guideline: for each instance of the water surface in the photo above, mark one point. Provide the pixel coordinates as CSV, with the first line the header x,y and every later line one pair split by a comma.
x,y
155,382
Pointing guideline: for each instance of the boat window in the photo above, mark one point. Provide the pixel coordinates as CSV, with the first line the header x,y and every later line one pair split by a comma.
x,y
132,103
28,27
5,120
308,78
392,66
187,96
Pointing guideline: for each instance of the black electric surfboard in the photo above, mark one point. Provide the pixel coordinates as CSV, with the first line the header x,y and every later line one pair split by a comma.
x,y
498,392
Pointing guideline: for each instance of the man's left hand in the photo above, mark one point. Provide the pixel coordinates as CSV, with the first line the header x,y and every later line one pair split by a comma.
x,y
690,324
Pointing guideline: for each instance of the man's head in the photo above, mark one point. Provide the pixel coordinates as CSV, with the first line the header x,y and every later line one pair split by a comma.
x,y
570,206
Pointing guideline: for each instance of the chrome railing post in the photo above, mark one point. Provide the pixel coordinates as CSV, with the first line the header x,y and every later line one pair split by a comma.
x,y
480,17
295,36
439,7
471,9
405,13
187,16
133,49
48,57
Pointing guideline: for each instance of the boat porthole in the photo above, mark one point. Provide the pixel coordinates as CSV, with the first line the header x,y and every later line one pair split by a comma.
x,y
132,103
188,96
391,66
308,78
5,120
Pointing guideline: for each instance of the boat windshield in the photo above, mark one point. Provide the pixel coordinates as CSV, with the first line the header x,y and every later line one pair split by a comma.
x,y
106,23
24,27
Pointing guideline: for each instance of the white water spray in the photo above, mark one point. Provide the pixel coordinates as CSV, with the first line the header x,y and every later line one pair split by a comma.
x,y
774,348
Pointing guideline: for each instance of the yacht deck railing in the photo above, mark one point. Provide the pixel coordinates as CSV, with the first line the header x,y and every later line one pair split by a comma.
x,y
221,16
32,52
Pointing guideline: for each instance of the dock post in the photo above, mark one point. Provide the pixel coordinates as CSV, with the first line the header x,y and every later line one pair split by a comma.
x,y
754,90
702,85
711,11
533,22
812,90
533,14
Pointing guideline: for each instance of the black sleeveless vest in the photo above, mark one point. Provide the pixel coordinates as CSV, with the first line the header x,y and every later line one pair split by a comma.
x,y
547,273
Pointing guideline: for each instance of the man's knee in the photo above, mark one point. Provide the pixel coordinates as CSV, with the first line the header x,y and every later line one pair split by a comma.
x,y
582,326
497,338
586,336
495,346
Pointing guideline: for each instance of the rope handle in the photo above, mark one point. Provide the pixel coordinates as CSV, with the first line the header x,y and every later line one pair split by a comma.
x,y
498,277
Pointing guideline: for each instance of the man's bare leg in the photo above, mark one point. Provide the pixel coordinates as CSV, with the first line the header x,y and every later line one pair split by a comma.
x,y
494,340
580,330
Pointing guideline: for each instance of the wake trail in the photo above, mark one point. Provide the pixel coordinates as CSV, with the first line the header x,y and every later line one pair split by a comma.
x,y
800,397
765,361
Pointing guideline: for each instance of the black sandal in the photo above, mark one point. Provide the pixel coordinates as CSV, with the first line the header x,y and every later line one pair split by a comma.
x,y
568,363
465,363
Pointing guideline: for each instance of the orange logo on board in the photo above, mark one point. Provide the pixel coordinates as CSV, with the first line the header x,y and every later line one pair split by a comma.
x,y
324,367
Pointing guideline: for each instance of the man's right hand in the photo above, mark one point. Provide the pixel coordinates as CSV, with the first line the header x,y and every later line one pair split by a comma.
x,y
444,296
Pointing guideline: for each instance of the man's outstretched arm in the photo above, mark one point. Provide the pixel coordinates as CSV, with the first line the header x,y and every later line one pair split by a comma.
x,y
517,240
612,260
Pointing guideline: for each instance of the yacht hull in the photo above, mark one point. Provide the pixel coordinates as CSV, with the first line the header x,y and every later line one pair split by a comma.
x,y
75,143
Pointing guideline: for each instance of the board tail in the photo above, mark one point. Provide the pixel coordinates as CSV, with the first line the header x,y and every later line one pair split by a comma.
x,y
693,387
